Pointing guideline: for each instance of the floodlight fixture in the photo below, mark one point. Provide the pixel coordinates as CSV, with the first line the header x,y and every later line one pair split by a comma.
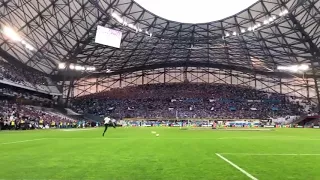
x,y
284,12
62,65
117,17
28,46
89,68
304,67
294,68
77,67
72,66
10,33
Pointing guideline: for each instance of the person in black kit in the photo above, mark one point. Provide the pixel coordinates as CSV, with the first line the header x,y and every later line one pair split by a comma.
x,y
1,123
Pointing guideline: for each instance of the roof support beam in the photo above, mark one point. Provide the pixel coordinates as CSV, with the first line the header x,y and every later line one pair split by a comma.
x,y
201,64
314,50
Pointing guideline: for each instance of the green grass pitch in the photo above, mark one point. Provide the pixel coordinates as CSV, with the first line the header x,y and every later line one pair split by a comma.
x,y
137,154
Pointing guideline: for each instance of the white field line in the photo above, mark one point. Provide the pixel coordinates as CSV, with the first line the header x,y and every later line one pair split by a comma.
x,y
14,142
183,138
124,138
74,130
262,154
279,138
237,167
166,138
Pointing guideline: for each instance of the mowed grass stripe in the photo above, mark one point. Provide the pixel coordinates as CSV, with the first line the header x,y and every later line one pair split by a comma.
x,y
135,154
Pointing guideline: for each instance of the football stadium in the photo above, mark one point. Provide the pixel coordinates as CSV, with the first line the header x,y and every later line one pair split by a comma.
x,y
159,90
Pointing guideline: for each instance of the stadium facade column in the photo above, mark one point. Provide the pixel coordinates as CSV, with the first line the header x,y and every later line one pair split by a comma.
x,y
120,80
316,83
71,88
143,76
314,50
97,85
185,74
164,75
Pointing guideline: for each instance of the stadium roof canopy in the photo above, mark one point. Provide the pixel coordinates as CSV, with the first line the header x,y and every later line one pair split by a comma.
x,y
259,38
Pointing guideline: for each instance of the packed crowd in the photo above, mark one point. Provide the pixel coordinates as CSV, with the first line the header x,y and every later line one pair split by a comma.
x,y
188,123
188,100
17,116
20,75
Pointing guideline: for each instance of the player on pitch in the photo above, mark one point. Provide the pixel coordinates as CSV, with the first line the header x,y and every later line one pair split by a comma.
x,y
108,122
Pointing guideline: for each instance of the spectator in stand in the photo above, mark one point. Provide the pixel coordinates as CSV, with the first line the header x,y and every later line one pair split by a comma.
x,y
188,100
16,116
20,75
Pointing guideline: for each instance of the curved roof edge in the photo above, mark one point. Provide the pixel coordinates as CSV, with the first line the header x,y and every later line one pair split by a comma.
x,y
258,1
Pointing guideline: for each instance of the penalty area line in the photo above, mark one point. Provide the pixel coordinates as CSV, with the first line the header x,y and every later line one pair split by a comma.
x,y
14,142
237,167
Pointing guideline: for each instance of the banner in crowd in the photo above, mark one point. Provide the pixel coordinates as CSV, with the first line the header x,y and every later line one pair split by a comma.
x,y
275,101
254,100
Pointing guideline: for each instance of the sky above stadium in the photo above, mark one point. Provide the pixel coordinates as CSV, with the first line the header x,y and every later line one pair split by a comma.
x,y
195,11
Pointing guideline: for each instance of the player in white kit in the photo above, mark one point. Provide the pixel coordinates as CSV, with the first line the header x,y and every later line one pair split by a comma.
x,y
108,122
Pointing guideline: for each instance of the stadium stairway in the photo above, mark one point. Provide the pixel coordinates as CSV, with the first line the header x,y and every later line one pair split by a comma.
x,y
300,119
71,112
93,117
64,112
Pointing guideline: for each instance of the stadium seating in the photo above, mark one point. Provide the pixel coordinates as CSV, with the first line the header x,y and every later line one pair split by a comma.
x,y
21,76
17,104
189,100
26,79
11,111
